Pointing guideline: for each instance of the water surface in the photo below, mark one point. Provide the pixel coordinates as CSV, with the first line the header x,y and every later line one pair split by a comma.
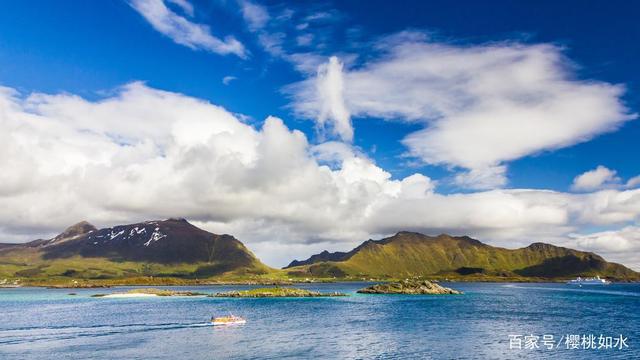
x,y
37,323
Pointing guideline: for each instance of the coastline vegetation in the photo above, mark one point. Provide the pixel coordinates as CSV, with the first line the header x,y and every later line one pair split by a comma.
x,y
410,287
274,279
275,292
277,277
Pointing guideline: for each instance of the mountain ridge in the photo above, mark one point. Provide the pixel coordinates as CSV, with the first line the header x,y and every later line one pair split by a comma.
x,y
414,254
173,247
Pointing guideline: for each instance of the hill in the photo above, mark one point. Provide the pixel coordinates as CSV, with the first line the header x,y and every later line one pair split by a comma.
x,y
163,248
412,254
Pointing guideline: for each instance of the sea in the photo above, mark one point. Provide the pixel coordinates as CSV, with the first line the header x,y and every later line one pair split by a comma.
x,y
490,321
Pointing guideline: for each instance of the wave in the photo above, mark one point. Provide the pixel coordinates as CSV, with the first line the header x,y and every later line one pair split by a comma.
x,y
54,333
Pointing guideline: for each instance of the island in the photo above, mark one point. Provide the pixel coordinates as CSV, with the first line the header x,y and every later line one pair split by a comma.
x,y
275,292
410,287
146,292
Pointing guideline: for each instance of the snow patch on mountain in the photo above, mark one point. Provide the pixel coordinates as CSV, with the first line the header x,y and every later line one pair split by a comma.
x,y
155,236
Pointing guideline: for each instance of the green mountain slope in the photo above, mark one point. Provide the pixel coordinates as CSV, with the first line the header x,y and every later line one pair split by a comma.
x,y
164,248
413,254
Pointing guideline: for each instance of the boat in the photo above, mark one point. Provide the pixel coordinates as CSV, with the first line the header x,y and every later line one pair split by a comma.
x,y
588,281
228,320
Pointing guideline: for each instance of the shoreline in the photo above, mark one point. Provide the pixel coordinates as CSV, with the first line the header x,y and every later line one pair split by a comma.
x,y
267,280
91,285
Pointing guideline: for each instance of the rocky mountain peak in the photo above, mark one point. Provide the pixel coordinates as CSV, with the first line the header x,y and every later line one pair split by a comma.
x,y
80,228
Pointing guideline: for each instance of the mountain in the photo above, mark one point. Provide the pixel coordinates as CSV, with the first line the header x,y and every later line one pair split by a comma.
x,y
413,254
323,256
172,247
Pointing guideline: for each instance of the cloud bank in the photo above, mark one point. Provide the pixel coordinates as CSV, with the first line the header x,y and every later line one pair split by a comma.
x,y
145,153
481,106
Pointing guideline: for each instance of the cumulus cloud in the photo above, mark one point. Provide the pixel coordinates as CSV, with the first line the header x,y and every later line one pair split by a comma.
x,y
144,153
481,105
185,32
595,179
602,178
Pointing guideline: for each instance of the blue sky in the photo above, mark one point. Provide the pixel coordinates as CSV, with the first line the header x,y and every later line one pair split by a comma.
x,y
571,64
88,48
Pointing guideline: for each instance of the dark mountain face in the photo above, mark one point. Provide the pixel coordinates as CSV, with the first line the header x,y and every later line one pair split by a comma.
x,y
323,256
163,248
166,241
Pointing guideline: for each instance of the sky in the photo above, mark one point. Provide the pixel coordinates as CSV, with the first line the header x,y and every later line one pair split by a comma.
x,y
304,127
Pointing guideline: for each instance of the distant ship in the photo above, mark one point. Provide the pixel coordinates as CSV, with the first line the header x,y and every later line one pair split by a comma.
x,y
589,281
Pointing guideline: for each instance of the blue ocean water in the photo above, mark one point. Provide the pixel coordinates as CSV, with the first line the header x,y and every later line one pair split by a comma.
x,y
37,323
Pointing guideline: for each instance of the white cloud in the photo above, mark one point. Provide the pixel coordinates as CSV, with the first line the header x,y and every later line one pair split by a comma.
x,y
277,35
272,43
319,16
306,63
257,18
633,182
228,79
183,31
330,89
255,15
602,178
481,106
491,177
625,239
621,245
595,179
144,153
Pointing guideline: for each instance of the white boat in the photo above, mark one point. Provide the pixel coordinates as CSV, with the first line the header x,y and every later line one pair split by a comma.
x,y
588,281
228,320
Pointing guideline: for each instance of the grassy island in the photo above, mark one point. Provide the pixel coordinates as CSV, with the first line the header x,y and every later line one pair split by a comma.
x,y
410,287
275,292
